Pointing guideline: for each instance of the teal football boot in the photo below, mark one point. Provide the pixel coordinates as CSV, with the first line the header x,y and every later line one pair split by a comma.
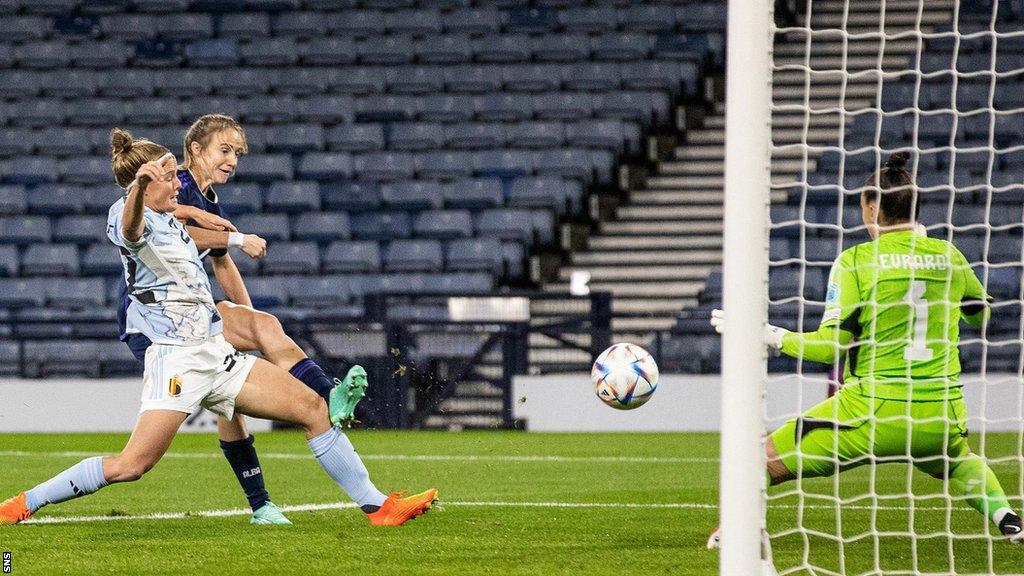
x,y
269,513
346,396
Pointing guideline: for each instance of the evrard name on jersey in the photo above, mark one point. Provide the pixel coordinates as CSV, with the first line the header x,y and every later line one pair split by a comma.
x,y
914,261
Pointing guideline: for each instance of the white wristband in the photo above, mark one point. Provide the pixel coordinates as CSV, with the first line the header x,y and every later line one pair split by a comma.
x,y
236,239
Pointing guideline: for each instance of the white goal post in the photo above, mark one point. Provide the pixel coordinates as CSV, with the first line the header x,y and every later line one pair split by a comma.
x,y
745,275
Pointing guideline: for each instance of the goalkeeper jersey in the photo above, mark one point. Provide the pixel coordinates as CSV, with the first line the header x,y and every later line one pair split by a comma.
x,y
902,297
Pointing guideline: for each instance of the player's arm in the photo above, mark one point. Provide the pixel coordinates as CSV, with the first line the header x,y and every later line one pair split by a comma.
x,y
838,325
133,222
975,303
197,217
251,244
230,279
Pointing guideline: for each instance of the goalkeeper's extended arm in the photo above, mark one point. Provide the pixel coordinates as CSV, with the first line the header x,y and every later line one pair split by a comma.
x,y
824,345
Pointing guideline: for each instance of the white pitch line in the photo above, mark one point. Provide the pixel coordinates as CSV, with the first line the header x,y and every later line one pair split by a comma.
x,y
403,457
456,504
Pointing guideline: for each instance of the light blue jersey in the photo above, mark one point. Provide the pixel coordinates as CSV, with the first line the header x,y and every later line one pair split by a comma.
x,y
170,291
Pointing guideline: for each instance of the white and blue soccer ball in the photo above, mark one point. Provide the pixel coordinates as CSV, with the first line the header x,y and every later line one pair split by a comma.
x,y
625,376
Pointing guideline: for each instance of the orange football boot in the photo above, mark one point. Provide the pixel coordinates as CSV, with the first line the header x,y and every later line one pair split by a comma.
x,y
14,510
399,509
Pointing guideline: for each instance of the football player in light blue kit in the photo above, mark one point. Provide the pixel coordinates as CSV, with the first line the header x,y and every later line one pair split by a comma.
x,y
190,364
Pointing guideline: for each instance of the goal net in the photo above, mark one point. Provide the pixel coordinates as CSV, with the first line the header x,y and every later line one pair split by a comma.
x,y
854,81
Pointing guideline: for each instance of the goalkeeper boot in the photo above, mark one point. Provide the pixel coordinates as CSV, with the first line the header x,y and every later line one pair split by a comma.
x,y
346,396
399,509
1011,528
269,513
14,510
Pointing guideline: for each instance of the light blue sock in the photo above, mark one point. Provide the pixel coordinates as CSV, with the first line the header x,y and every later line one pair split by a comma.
x,y
338,457
83,478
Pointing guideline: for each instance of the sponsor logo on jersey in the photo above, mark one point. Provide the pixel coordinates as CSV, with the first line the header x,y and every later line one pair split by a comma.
x,y
174,386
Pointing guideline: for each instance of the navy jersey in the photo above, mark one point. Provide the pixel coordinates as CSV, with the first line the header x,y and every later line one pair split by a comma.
x,y
188,195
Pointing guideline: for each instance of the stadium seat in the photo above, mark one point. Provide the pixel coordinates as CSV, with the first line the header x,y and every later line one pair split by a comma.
x,y
292,258
321,226
381,225
351,196
620,47
589,20
292,197
95,112
399,108
472,78
13,199
474,254
538,20
412,195
447,49
276,109
352,257
443,224
19,83
473,193
647,18
38,113
328,109
273,167
413,256
329,51
50,260
414,22
531,77
68,83
474,21
383,166
506,224
540,192
28,170
23,292
9,261
503,107
355,23
562,48
536,134
88,170
563,105
99,198
101,260
446,108
56,200
414,79
387,50
444,165
270,227
267,291
415,136
239,199
326,293
81,229
44,55
474,135
502,163
566,162
76,293
296,138
593,76
244,25
325,166
303,25
504,49
184,82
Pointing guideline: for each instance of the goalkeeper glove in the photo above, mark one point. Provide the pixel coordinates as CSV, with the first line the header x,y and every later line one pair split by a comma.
x,y
773,335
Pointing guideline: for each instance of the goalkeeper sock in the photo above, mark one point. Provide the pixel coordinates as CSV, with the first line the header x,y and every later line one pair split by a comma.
x,y
246,465
338,457
83,478
970,477
312,375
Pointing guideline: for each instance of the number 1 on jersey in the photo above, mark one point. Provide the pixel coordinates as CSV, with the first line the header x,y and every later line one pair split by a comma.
x,y
918,349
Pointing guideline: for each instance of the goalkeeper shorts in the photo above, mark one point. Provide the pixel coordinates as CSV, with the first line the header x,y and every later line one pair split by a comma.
x,y
849,430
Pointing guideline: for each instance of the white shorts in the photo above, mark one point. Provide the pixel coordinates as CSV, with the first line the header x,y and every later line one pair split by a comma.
x,y
186,378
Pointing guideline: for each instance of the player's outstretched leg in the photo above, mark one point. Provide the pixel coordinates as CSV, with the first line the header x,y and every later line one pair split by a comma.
x,y
152,435
237,445
972,477
270,392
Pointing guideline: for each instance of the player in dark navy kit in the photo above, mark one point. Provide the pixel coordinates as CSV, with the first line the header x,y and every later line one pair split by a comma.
x,y
213,145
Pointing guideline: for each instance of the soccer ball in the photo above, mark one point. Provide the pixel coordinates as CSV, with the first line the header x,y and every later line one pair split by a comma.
x,y
625,376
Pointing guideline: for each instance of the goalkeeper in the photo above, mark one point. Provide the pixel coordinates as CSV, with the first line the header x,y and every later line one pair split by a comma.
x,y
893,305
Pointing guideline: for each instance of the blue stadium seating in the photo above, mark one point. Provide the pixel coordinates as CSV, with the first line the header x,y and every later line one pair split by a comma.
x,y
352,256
475,254
443,224
413,256
412,195
270,227
9,261
321,226
381,225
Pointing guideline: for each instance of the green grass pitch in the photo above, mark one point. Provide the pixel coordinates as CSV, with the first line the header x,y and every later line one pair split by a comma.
x,y
511,504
